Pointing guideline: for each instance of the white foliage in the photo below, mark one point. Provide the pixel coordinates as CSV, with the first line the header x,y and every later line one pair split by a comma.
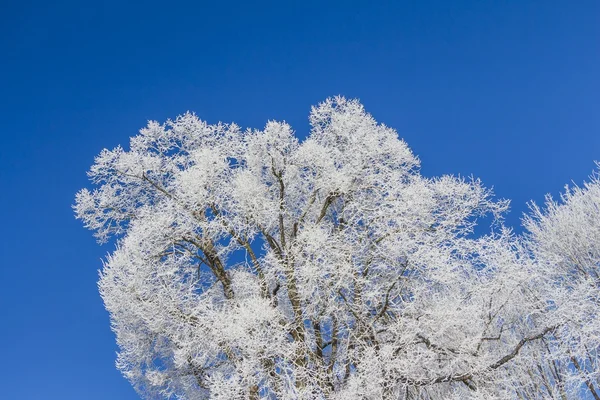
x,y
252,265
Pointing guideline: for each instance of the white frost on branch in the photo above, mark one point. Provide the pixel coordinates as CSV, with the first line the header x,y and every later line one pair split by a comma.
x,y
254,265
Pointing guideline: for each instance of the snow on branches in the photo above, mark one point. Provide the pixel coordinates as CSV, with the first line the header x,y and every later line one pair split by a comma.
x,y
251,265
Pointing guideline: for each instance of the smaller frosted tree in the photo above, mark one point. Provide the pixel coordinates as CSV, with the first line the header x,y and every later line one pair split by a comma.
x,y
565,241
252,265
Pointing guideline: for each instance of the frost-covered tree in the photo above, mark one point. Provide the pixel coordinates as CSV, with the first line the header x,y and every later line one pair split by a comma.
x,y
251,265
565,243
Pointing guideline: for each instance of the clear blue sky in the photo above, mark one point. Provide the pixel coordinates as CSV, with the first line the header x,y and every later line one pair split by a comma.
x,y
506,91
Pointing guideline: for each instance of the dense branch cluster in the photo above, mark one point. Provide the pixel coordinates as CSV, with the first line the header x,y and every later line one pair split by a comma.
x,y
252,265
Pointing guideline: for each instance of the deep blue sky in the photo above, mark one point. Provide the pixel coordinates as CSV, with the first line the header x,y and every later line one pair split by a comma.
x,y
506,91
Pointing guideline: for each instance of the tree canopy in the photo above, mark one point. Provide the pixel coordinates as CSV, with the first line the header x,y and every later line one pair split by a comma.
x,y
250,264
